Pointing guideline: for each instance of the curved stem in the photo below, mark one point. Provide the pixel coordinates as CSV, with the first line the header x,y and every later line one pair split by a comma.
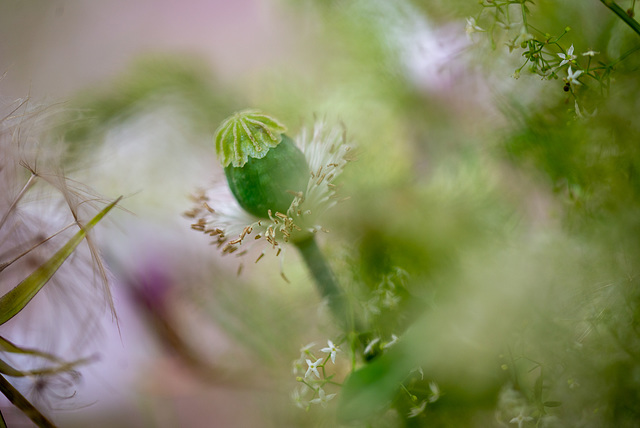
x,y
327,284
622,15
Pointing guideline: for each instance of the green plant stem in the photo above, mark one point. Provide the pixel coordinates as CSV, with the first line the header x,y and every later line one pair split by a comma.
x,y
327,284
622,15
625,55
524,17
23,404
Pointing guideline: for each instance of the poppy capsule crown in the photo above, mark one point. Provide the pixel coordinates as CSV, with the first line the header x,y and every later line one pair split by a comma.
x,y
264,168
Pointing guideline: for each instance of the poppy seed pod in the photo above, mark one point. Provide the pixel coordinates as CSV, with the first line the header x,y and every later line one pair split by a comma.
x,y
264,168
274,195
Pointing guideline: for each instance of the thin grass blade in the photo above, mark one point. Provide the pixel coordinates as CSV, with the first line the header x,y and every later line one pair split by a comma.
x,y
23,404
7,346
18,297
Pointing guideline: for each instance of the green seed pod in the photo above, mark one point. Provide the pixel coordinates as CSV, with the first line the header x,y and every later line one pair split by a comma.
x,y
264,169
270,183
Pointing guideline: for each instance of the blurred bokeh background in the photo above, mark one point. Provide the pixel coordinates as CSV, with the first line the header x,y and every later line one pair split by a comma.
x,y
506,217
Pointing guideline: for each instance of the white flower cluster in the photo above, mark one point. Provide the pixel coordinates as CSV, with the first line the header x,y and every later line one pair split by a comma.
x,y
315,378
385,295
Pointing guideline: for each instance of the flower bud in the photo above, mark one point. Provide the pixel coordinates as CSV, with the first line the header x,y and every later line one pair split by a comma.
x,y
264,168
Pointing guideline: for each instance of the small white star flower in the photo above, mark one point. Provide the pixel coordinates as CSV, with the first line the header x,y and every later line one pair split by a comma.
x,y
520,419
435,392
372,306
416,410
392,342
524,36
332,349
568,57
572,77
390,299
298,398
305,349
296,366
322,398
580,114
590,53
313,368
472,27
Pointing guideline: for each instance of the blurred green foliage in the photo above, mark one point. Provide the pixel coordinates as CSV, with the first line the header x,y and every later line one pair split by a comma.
x,y
516,220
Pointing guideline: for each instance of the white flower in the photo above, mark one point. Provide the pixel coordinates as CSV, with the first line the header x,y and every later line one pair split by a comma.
x,y
304,352
472,27
313,368
419,370
584,114
507,25
298,397
573,77
390,300
322,398
520,419
217,213
333,349
590,53
305,349
568,57
435,392
523,37
296,366
416,410
392,342
370,346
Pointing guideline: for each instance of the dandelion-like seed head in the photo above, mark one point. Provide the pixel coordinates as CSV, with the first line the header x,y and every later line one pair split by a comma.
x,y
62,285
220,211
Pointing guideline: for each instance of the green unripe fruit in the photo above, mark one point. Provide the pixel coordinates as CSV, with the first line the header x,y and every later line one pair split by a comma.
x,y
247,134
264,168
271,182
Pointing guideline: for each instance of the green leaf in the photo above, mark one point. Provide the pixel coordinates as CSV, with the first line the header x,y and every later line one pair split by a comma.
x,y
7,369
18,297
3,424
371,389
8,346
